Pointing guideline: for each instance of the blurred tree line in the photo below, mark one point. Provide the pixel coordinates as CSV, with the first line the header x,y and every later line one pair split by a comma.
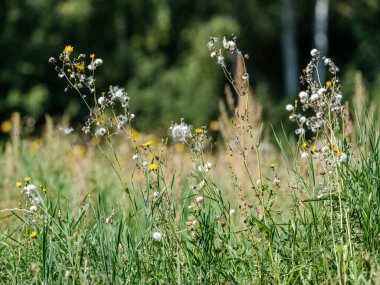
x,y
156,49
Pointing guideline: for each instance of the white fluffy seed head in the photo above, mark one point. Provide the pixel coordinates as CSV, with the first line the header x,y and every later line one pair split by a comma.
x,y
314,97
289,107
157,236
303,95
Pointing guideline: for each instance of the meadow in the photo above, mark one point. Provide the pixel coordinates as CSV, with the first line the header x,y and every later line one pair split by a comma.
x,y
110,205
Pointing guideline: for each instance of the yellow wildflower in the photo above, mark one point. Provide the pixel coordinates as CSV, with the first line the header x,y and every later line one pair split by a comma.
x,y
147,144
68,70
304,145
273,165
328,83
6,126
153,166
214,125
27,178
314,149
79,66
18,184
336,149
68,49
33,234
92,55
199,131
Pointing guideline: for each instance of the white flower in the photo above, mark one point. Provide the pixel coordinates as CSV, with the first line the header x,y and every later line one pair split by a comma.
x,y
101,100
303,95
30,187
91,67
321,91
100,132
155,194
343,157
208,165
33,209
304,155
144,164
221,60
314,97
300,131
157,236
135,156
327,61
132,116
232,211
303,119
276,182
199,199
181,132
67,131
313,52
289,107
339,97
213,54
202,184
98,62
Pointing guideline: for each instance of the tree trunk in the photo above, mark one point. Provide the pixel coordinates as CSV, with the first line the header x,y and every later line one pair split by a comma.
x,y
289,48
320,32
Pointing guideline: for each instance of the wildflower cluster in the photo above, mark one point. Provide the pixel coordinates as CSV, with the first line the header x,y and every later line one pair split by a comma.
x,y
108,112
217,53
31,192
323,100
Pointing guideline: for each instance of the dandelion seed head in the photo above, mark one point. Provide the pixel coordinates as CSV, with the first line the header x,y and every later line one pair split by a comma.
x,y
157,236
181,133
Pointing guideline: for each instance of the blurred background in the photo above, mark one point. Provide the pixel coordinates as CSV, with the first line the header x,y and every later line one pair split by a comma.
x,y
156,50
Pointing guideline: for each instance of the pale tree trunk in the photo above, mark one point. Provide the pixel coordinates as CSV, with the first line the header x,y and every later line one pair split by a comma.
x,y
289,48
321,14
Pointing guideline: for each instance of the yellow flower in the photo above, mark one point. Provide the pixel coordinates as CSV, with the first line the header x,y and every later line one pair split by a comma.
x,y
273,165
27,178
336,149
199,131
153,167
147,144
18,184
328,83
304,145
79,66
68,49
92,55
68,70
33,234
314,150
6,126
214,125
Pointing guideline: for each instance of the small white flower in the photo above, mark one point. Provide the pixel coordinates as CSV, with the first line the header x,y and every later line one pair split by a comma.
x,y
101,100
339,97
300,131
232,211
67,131
213,54
343,157
30,187
199,199
289,108
208,165
91,67
98,62
135,156
132,116
314,97
303,119
155,194
144,164
303,95
321,91
157,236
313,52
304,155
221,60
202,184
327,61
320,194
33,209
276,182
100,132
